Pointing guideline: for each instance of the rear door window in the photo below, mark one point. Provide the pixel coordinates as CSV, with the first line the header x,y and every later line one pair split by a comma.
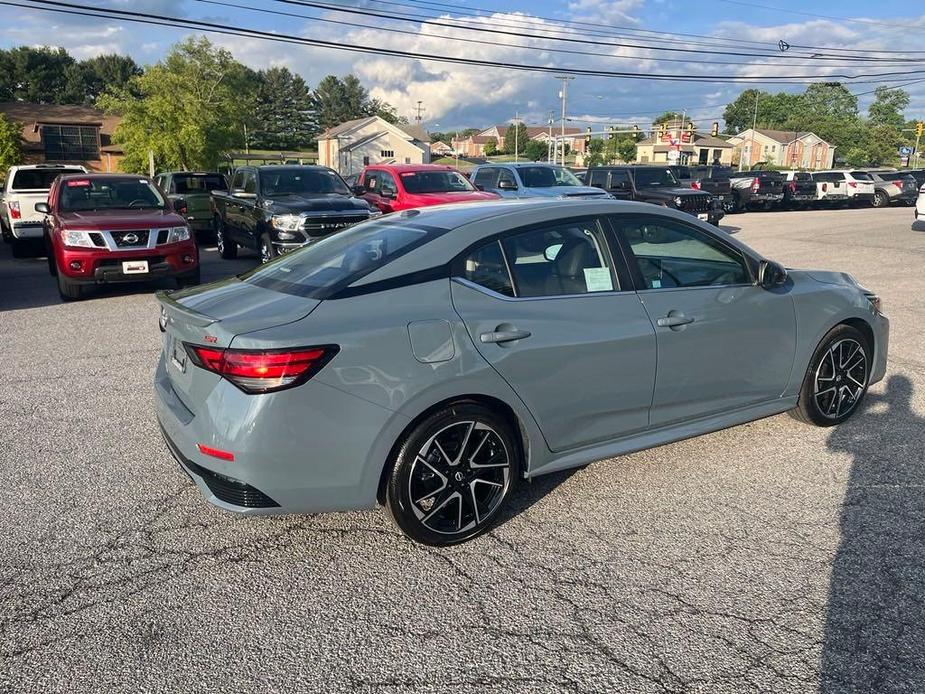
x,y
187,184
487,268
486,178
597,178
860,176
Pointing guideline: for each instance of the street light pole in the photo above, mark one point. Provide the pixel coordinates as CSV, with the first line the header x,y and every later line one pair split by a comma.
x,y
563,95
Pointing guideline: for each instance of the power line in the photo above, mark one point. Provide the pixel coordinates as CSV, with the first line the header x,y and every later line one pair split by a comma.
x,y
787,10
418,34
60,7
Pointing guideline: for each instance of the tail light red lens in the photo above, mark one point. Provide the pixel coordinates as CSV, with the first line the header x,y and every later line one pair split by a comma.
x,y
756,184
793,186
898,184
15,212
852,184
215,452
255,371
695,185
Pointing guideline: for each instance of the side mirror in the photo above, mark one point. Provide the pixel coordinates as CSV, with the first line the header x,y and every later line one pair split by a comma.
x,y
42,207
507,185
358,190
240,193
771,274
180,206
387,192
620,185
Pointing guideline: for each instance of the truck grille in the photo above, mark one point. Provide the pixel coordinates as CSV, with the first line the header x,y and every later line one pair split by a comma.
x,y
695,203
135,238
322,226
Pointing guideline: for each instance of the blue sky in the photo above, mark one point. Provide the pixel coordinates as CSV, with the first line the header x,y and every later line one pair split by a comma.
x,y
461,96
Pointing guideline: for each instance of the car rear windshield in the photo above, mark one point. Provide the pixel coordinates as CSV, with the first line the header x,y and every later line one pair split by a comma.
x,y
435,182
681,171
198,183
547,177
802,177
38,179
324,268
898,176
298,181
654,176
109,193
861,176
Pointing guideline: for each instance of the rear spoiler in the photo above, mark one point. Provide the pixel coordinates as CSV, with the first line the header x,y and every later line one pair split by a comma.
x,y
192,317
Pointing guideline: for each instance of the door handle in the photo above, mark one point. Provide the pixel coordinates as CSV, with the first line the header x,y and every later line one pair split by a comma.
x,y
499,336
674,319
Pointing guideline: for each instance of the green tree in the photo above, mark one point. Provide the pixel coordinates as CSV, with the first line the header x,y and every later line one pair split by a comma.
x,y
10,143
284,114
516,133
774,110
491,147
111,72
536,150
39,75
338,100
187,109
626,148
887,107
668,117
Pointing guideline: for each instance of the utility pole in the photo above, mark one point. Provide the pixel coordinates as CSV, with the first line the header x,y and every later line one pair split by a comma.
x,y
549,144
563,96
751,150
419,110
247,149
516,124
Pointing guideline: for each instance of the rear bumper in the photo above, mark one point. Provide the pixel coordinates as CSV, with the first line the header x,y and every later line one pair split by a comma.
x,y
862,197
766,197
27,230
307,449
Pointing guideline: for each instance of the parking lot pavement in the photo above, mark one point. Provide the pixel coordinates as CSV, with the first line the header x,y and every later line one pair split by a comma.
x,y
772,557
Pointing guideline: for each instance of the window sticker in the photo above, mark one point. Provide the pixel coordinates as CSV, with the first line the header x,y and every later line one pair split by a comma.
x,y
656,284
78,183
598,279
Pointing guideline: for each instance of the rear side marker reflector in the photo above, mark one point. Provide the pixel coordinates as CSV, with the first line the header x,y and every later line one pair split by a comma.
x,y
215,452
255,371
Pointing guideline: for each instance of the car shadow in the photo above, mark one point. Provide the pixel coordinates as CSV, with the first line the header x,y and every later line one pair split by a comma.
x,y
729,229
529,492
875,623
918,225
25,283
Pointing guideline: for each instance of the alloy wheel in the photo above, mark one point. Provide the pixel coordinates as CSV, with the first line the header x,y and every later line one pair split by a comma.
x,y
840,378
265,255
459,477
219,238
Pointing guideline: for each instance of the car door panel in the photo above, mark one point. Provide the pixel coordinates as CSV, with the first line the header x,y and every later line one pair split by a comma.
x,y
723,343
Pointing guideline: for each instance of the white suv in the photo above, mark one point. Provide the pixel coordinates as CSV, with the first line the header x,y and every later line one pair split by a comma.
x,y
25,186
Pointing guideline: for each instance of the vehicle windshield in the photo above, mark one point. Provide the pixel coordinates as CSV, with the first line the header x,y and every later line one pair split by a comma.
x,y
681,172
109,193
324,268
38,179
547,177
861,176
435,182
802,177
190,184
654,176
302,181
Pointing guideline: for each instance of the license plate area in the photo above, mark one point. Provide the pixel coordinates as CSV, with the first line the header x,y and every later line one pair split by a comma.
x,y
135,267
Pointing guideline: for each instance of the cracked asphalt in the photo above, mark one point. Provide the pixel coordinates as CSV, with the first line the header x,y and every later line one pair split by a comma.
x,y
771,557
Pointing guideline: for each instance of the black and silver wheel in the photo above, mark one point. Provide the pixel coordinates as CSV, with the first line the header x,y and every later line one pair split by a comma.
x,y
881,199
837,378
267,251
452,474
227,248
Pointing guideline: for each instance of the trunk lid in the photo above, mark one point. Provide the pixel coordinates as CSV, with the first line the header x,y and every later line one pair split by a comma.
x,y
212,315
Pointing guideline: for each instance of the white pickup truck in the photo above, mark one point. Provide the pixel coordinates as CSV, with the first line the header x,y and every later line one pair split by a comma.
x,y
25,186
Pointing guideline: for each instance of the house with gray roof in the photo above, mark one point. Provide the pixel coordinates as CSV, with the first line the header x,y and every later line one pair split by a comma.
x,y
350,146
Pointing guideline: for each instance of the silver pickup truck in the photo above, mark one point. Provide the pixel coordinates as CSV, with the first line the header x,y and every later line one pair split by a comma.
x,y
25,186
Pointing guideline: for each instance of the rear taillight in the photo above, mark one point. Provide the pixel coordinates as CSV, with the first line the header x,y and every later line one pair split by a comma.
x,y
262,371
898,184
793,186
852,184
756,184
695,185
14,210
825,187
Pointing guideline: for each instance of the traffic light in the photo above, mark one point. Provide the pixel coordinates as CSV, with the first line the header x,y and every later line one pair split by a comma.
x,y
919,129
690,127
635,132
610,134
588,138
714,130
661,131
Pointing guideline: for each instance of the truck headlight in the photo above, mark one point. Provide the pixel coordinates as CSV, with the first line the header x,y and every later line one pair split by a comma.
x,y
678,201
178,234
77,239
286,222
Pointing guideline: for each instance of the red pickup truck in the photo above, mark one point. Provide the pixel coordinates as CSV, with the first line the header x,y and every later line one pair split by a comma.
x,y
394,187
104,228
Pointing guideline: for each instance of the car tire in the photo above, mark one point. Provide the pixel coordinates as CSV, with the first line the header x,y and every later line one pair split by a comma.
x,y
267,251
452,474
227,248
837,378
881,199
69,291
190,279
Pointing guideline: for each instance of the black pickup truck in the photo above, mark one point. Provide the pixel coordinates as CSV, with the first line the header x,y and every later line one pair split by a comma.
x,y
655,184
757,189
275,209
799,189
713,179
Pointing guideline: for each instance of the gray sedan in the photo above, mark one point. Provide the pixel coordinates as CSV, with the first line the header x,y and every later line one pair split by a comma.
x,y
430,360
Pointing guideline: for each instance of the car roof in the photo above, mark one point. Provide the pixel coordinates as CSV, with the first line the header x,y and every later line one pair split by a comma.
x,y
92,174
190,173
405,168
